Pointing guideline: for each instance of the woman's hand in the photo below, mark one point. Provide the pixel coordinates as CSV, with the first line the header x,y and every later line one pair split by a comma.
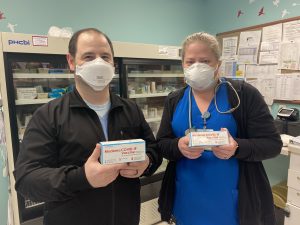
x,y
226,151
190,153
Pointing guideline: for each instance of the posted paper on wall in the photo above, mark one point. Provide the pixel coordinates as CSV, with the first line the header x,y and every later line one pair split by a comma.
x,y
229,47
228,69
291,31
253,82
251,71
289,55
269,46
267,86
260,71
272,33
247,55
297,87
287,87
241,71
270,57
250,38
248,47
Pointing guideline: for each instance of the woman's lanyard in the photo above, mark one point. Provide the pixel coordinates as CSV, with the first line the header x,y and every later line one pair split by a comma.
x,y
204,116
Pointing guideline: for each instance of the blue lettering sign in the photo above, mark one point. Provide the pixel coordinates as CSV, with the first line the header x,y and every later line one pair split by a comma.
x,y
18,42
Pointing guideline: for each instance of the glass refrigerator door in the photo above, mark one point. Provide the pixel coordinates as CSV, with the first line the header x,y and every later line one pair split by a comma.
x,y
149,82
38,82
115,86
33,80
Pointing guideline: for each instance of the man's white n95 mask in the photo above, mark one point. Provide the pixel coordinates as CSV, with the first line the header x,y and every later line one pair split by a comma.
x,y
97,73
200,76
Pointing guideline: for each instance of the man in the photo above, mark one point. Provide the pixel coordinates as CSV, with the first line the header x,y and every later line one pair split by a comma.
x,y
59,158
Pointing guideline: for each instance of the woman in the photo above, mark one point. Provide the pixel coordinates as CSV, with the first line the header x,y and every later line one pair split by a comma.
x,y
228,184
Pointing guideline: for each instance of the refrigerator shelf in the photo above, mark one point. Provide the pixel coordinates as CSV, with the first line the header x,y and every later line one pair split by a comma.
x,y
148,95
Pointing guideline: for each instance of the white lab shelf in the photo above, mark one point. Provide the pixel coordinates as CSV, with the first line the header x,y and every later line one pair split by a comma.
x,y
148,95
156,75
154,119
43,75
48,76
33,101
293,183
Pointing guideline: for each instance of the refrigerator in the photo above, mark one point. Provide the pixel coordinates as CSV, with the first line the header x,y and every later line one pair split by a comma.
x,y
148,82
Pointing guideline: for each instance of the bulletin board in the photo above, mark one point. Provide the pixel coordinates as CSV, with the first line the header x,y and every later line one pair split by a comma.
x,y
268,65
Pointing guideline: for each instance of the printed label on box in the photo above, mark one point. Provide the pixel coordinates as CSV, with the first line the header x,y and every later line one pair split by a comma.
x,y
122,151
208,139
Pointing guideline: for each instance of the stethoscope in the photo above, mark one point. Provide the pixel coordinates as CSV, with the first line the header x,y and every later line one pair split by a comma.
x,y
206,114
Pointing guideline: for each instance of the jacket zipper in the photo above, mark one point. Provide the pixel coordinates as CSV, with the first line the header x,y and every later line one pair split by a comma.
x,y
113,221
113,204
100,130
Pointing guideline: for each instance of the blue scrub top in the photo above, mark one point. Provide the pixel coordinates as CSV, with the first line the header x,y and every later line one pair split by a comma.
x,y
207,187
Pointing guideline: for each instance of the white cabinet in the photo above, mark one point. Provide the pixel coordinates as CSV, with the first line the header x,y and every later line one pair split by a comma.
x,y
294,178
293,196
294,217
295,162
293,199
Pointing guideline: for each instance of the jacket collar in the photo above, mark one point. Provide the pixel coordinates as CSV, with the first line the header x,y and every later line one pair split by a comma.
x,y
237,84
76,100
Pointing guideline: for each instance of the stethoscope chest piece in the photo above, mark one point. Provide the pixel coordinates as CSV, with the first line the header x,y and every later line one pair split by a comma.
x,y
206,115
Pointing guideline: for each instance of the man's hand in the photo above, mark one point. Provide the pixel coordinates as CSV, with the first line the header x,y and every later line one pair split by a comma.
x,y
99,175
190,153
135,169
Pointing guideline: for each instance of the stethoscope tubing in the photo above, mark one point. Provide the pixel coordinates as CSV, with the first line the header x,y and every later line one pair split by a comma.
x,y
215,101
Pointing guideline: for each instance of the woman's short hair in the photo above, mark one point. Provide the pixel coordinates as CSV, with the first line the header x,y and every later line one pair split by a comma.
x,y
206,38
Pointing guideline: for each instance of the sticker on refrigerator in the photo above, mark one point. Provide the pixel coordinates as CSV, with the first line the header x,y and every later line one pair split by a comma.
x,y
168,51
39,41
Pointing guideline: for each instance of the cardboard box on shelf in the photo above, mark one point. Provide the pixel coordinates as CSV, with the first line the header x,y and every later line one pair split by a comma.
x,y
26,93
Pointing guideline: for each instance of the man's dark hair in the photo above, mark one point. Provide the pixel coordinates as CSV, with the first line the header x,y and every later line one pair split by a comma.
x,y
74,39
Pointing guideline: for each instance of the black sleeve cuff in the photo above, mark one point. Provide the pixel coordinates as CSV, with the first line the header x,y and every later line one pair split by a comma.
x,y
149,170
77,180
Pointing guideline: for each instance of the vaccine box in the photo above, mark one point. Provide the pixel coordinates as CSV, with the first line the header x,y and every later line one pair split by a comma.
x,y
208,139
26,93
122,151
